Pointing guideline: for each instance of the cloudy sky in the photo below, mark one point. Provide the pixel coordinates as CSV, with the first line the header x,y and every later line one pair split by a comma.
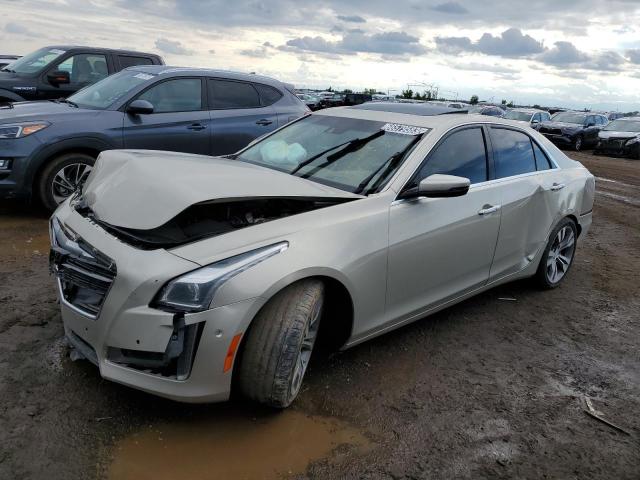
x,y
578,53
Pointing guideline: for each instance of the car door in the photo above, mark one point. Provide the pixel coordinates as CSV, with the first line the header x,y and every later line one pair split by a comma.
x,y
535,121
591,129
527,184
83,69
179,122
441,248
238,115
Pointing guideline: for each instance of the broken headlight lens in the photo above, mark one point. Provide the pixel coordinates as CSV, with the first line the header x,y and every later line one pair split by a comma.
x,y
194,291
19,130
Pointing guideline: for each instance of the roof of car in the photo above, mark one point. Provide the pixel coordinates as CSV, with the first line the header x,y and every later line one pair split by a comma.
x,y
407,108
526,110
633,119
440,122
186,71
114,50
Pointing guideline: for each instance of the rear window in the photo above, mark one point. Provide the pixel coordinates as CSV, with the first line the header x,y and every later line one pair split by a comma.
x,y
127,61
227,94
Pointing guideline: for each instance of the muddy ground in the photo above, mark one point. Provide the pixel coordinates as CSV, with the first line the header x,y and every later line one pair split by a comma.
x,y
490,388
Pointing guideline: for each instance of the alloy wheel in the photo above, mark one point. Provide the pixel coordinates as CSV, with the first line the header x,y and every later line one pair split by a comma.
x,y
560,254
578,144
308,341
68,179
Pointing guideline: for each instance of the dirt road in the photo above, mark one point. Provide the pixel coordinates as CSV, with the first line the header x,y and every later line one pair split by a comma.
x,y
491,388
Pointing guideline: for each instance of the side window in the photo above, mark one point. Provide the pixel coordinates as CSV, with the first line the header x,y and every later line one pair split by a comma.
x,y
129,61
512,151
591,120
537,118
546,117
85,68
268,95
463,153
225,94
542,161
179,95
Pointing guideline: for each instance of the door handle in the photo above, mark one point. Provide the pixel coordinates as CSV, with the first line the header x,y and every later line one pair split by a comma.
x,y
264,122
557,186
196,126
487,209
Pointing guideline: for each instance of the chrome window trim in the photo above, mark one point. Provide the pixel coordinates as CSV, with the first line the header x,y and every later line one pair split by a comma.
x,y
488,182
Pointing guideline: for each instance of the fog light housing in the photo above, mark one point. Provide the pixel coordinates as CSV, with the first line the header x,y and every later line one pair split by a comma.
x,y
5,164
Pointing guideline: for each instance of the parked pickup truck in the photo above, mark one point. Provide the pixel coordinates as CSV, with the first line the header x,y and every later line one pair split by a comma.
x,y
57,72
7,59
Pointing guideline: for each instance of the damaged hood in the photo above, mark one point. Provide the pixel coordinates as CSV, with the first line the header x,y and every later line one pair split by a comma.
x,y
144,189
606,134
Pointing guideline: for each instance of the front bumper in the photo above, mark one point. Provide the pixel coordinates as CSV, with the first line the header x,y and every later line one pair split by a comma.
x,y
15,181
618,148
126,322
562,140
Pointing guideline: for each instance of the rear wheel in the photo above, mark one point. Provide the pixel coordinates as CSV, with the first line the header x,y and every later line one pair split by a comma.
x,y
558,255
279,344
63,176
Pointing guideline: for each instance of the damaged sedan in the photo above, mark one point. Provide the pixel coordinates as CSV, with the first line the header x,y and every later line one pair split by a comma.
x,y
336,228
621,138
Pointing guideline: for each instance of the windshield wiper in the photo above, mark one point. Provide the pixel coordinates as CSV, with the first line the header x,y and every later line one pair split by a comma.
x,y
349,146
391,163
65,100
8,70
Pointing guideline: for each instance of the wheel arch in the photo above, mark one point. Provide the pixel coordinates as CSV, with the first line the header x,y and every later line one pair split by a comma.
x,y
337,319
88,146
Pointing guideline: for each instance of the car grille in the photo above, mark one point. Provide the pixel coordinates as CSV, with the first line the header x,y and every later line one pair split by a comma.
x,y
84,274
551,131
613,142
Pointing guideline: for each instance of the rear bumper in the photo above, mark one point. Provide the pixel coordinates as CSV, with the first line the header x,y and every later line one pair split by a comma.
x,y
585,223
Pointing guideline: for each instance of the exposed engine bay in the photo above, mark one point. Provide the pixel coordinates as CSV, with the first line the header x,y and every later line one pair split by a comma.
x,y
212,218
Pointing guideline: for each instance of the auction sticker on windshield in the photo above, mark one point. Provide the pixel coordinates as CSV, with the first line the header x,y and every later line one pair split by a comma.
x,y
55,51
403,129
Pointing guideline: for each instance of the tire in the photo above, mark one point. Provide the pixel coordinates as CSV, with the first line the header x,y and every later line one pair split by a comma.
x,y
281,337
578,143
562,258
74,167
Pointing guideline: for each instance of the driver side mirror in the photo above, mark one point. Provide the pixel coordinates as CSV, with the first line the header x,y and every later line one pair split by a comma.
x,y
140,107
590,124
59,77
438,186
535,121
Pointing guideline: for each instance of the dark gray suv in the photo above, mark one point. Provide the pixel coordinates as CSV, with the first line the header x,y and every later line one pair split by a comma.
x,y
48,148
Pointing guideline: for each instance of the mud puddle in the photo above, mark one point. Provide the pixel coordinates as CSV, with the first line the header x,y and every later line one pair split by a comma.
x,y
231,445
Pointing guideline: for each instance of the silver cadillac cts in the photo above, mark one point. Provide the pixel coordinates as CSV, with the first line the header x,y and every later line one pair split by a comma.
x,y
182,275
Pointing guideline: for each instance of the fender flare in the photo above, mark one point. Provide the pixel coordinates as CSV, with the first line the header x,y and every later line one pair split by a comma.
x,y
10,95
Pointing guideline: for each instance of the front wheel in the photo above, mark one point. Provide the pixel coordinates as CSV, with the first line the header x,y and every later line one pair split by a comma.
x,y
63,176
279,344
558,255
577,143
